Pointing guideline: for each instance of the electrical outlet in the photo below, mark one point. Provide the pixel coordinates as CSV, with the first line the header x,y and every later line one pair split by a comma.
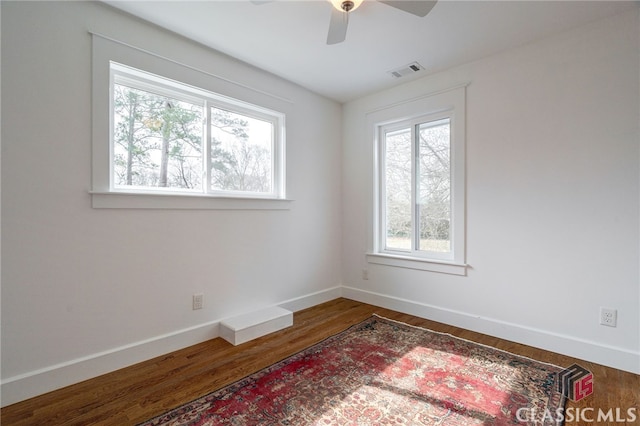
x,y
608,317
197,301
365,274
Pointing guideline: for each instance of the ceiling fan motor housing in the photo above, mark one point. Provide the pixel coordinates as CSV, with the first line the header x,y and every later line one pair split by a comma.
x,y
347,5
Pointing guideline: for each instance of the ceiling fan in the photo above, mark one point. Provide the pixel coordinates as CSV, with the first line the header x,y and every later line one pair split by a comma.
x,y
342,8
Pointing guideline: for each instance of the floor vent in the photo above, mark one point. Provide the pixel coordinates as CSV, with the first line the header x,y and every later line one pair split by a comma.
x,y
406,70
252,325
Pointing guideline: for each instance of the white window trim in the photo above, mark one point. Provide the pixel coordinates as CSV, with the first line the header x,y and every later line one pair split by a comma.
x,y
103,195
420,264
183,201
450,103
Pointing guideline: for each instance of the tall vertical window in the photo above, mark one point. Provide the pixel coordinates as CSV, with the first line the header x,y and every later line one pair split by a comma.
x,y
417,188
173,138
419,204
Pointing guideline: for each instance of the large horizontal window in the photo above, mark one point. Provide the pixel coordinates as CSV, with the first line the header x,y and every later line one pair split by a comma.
x,y
169,132
168,137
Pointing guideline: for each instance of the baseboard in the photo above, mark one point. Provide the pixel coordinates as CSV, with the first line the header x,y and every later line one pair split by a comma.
x,y
38,382
312,299
34,383
620,358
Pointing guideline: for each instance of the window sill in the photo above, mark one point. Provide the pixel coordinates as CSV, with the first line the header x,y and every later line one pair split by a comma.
x,y
124,200
431,265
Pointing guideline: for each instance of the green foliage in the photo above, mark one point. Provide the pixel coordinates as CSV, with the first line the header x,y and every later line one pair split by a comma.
x,y
432,183
158,142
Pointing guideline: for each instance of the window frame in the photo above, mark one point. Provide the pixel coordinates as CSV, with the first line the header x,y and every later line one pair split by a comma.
x,y
141,80
449,104
195,75
412,125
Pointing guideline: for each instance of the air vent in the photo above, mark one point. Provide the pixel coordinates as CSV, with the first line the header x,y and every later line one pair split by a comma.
x,y
406,70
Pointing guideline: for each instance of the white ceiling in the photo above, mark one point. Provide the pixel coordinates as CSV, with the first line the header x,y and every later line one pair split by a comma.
x,y
288,38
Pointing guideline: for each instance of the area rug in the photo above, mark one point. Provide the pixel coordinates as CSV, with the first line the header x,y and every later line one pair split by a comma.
x,y
382,372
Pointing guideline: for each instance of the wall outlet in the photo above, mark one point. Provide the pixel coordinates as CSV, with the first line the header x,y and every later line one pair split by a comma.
x,y
608,317
197,301
365,274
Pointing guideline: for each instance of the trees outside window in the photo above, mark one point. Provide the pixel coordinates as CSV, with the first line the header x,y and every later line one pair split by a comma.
x,y
418,215
417,186
161,140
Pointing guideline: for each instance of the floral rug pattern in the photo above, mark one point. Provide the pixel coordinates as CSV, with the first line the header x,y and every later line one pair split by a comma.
x,y
382,372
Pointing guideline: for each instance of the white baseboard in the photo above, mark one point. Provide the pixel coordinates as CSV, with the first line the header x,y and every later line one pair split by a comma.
x,y
312,299
620,358
38,382
34,383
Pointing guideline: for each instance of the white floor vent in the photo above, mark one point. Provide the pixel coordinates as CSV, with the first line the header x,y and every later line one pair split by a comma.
x,y
242,328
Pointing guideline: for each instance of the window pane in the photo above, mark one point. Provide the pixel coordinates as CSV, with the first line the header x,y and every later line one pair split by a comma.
x,y
241,152
398,189
157,141
434,186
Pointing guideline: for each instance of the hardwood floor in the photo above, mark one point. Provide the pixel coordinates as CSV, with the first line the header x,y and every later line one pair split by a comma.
x,y
140,392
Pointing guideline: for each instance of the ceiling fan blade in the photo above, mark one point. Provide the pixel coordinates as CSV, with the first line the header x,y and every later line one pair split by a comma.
x,y
337,26
416,7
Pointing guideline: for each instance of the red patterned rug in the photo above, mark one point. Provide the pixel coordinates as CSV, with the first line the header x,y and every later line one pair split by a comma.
x,y
382,372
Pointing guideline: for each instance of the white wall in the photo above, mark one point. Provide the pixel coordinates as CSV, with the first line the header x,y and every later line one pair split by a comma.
x,y
552,197
88,290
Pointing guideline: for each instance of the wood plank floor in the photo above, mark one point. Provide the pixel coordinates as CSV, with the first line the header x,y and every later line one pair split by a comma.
x,y
140,392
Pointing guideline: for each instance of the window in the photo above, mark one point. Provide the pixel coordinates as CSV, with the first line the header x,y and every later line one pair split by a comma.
x,y
168,137
417,188
419,204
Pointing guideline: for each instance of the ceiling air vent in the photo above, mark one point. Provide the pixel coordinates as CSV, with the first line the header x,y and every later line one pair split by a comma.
x,y
406,70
